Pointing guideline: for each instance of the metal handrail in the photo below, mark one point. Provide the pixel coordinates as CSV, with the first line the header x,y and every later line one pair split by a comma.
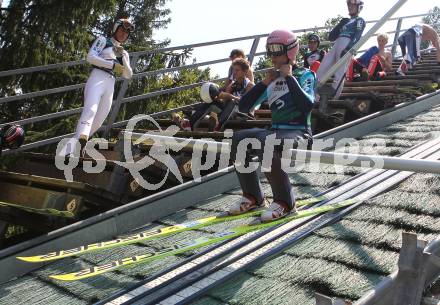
x,y
137,75
118,124
135,55
168,49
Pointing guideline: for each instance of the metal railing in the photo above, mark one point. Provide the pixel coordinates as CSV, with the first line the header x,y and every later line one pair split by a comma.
x,y
121,97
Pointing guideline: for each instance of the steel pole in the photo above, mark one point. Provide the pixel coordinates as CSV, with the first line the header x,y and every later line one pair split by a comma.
x,y
306,156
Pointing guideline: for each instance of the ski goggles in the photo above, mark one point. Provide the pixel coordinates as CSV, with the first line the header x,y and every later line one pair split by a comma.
x,y
127,26
277,49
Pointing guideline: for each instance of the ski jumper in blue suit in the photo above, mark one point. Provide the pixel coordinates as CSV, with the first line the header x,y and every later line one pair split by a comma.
x,y
291,101
345,35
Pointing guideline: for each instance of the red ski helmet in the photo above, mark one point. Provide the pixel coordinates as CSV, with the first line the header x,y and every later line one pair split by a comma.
x,y
12,136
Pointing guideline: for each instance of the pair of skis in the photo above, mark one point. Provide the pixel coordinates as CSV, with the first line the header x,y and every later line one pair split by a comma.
x,y
152,234
177,248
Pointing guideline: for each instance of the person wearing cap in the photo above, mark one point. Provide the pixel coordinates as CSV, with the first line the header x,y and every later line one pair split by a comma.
x,y
109,60
314,58
345,35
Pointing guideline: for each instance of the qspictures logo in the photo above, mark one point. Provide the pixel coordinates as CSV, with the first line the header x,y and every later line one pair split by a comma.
x,y
248,155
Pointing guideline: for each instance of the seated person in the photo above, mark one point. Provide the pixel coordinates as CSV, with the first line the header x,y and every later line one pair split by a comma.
x,y
214,100
313,59
373,64
410,42
220,105
237,53
241,84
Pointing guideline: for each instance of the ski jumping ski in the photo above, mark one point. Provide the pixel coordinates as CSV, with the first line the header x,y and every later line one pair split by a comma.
x,y
196,243
151,234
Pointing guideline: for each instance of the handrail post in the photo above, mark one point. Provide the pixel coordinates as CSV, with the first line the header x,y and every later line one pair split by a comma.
x,y
396,37
254,47
118,102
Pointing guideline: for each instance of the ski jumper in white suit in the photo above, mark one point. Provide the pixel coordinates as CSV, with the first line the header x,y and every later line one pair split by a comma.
x,y
98,92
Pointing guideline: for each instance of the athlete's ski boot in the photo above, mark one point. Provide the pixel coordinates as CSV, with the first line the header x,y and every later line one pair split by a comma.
x,y
276,211
245,204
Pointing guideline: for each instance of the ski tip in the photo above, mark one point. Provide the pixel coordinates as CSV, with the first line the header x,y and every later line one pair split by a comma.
x,y
29,259
68,277
37,258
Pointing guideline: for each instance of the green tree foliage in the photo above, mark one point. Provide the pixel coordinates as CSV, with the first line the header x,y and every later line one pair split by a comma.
x,y
34,33
432,19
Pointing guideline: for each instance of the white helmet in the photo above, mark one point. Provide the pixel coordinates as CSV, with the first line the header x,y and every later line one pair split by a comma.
x,y
209,92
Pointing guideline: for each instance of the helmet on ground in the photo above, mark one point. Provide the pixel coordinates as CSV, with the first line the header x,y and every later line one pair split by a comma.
x,y
12,136
359,3
282,42
126,25
314,37
209,92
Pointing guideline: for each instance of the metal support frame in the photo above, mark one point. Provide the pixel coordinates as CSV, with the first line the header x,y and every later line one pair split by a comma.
x,y
254,48
396,37
411,275
324,300
418,267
